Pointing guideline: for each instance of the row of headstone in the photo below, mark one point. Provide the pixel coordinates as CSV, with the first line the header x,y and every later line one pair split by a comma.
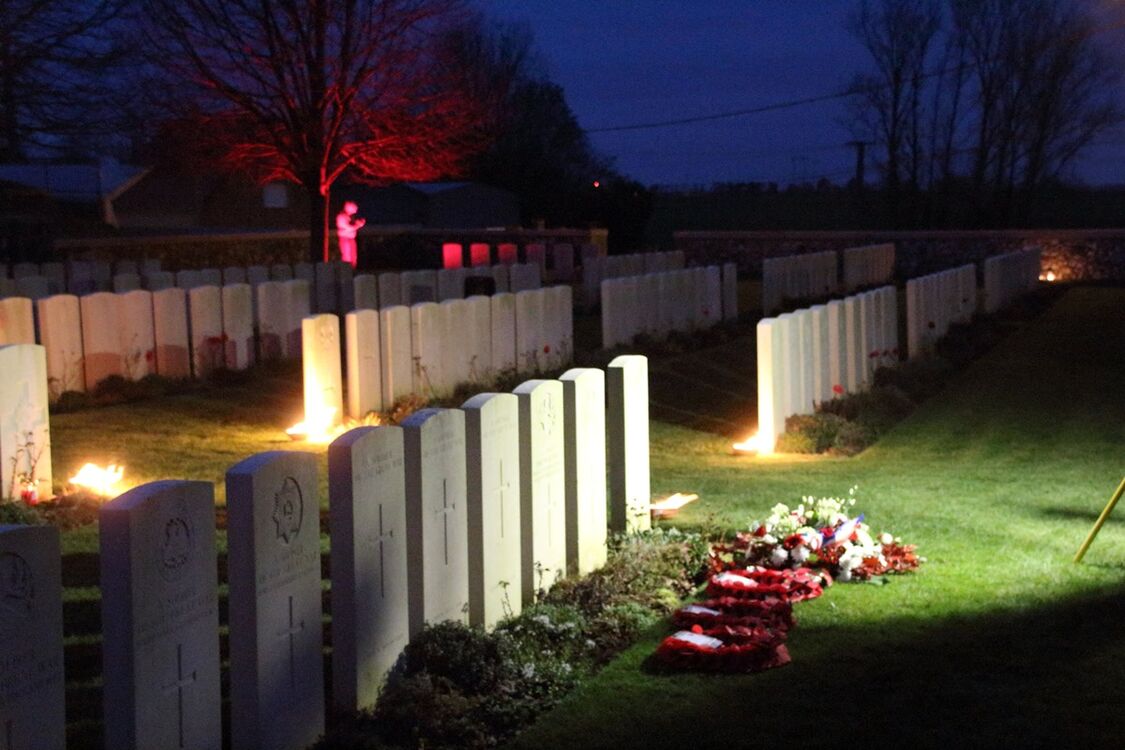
x,y
431,348
657,304
556,261
812,355
459,514
174,333
868,266
412,287
798,277
936,301
1009,276
597,268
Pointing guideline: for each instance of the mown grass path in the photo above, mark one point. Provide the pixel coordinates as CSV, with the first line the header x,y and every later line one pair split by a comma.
x,y
999,641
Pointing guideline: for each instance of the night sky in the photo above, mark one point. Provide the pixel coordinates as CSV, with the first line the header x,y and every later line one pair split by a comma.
x,y
623,62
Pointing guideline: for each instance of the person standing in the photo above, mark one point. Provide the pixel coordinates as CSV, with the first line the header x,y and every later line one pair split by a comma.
x,y
347,225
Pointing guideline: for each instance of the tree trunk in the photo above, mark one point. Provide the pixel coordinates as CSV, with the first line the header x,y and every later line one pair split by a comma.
x,y
319,236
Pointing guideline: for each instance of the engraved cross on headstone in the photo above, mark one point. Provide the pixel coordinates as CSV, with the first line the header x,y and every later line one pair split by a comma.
x,y
288,633
505,484
182,681
381,539
446,509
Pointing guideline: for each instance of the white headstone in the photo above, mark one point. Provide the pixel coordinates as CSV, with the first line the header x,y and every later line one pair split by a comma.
x,y
189,279
395,354
234,275
238,326
170,333
492,442
365,382
298,310
256,275
126,282
101,346
500,278
436,517
585,468
524,276
205,310
25,434
529,330
451,283
320,360
837,348
427,334
160,617
32,686
542,485
60,330
17,321
456,346
419,286
281,272
273,319
853,346
367,515
627,433
503,316
211,277
478,320
276,664
821,370
771,397
158,280
138,343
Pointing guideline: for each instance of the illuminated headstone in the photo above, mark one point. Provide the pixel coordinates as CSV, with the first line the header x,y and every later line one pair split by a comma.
x,y
100,343
480,254
25,448
508,254
276,639
205,308
17,321
160,617
134,321
627,436
367,511
436,517
771,418
427,338
492,443
395,353
503,322
320,358
585,468
478,323
542,485
365,381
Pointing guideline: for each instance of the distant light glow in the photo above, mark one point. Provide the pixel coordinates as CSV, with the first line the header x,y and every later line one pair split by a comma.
x,y
597,183
1047,276
671,505
749,446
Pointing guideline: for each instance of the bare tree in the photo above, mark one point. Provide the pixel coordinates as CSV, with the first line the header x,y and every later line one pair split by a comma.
x,y
54,63
898,35
310,90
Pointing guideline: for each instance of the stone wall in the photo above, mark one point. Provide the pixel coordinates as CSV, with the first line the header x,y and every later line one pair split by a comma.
x,y
1072,254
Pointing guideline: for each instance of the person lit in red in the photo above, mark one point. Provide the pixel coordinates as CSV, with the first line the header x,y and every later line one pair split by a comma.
x,y
347,225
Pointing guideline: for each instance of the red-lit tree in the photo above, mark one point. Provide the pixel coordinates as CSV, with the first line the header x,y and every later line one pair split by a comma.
x,y
310,90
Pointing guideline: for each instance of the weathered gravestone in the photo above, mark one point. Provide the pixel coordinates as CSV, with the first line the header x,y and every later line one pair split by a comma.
x,y
627,418
276,665
100,343
542,485
436,517
320,366
170,333
584,468
492,441
365,386
160,617
25,439
32,688
395,353
367,517
60,330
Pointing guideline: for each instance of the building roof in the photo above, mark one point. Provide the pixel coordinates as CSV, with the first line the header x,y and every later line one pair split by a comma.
x,y
76,183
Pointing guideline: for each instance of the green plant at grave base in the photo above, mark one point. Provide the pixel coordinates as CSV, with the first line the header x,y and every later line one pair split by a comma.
x,y
16,512
853,438
809,433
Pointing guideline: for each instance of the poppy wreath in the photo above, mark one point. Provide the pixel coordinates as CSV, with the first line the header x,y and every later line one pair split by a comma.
x,y
768,585
750,613
724,648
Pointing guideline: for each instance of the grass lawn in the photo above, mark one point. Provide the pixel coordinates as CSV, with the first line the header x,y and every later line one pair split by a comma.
x,y
998,641
999,638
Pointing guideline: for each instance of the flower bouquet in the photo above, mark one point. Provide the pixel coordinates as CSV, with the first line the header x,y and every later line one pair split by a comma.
x,y
819,533
724,648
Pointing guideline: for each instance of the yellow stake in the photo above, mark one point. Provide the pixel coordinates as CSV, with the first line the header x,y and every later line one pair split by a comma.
x,y
1101,520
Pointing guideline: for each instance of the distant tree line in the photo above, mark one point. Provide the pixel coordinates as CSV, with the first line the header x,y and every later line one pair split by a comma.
x,y
974,108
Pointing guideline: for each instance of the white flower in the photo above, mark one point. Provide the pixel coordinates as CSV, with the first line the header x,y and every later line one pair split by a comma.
x,y
778,556
845,574
542,620
800,553
769,539
886,538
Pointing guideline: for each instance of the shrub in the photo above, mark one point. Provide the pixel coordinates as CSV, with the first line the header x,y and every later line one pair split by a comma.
x,y
918,378
815,430
795,442
12,512
853,438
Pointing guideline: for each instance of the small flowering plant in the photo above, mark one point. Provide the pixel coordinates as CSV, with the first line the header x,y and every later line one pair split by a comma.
x,y
823,533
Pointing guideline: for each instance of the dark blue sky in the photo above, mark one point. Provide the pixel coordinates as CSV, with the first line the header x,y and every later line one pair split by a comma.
x,y
629,61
